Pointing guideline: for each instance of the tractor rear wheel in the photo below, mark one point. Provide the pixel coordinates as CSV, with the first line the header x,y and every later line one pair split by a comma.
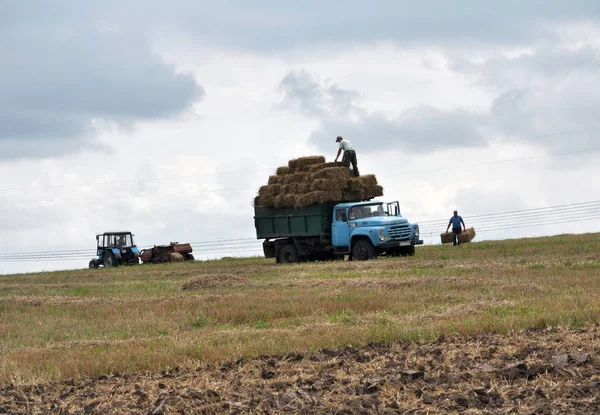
x,y
110,260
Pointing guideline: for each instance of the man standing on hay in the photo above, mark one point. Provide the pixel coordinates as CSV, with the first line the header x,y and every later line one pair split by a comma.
x,y
455,221
349,154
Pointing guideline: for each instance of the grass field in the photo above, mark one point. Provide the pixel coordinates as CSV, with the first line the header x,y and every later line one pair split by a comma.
x,y
59,325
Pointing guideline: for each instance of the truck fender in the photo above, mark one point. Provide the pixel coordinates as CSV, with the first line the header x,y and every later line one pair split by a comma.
x,y
363,234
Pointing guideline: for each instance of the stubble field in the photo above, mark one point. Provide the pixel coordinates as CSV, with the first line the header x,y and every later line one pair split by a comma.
x,y
489,327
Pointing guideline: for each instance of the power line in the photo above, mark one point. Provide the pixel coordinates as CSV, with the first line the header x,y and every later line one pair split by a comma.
x,y
529,225
114,182
488,222
526,217
255,187
595,202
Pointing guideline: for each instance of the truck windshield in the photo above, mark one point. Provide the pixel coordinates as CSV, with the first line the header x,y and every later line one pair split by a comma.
x,y
369,211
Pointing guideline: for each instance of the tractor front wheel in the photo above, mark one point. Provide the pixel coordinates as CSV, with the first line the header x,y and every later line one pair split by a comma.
x,y
189,257
93,264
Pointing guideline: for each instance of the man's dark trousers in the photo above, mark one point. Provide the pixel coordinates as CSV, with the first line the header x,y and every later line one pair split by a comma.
x,y
455,238
350,157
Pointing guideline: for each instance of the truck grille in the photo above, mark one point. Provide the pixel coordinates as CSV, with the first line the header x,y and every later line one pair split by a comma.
x,y
399,232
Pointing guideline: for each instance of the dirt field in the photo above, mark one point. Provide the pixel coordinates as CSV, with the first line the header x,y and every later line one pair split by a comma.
x,y
551,371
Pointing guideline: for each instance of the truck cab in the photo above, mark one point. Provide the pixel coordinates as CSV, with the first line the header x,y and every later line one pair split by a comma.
x,y
366,229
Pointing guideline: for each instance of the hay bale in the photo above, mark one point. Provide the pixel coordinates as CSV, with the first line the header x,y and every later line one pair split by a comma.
x,y
288,200
463,237
373,191
352,195
467,235
336,173
283,170
355,185
272,190
327,184
263,190
175,257
278,201
305,200
315,167
264,201
274,179
294,178
303,188
368,180
304,162
289,188
446,237
330,196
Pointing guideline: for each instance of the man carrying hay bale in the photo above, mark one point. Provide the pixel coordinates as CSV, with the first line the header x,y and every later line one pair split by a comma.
x,y
455,221
349,154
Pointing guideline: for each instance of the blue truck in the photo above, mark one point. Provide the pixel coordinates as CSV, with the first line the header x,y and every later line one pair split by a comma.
x,y
360,230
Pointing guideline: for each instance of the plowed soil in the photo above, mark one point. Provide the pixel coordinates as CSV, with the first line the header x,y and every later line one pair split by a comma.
x,y
550,371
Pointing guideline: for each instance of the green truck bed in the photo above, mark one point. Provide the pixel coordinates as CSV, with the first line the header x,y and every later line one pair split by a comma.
x,y
314,220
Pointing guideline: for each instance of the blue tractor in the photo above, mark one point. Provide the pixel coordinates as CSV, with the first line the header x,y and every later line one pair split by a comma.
x,y
114,249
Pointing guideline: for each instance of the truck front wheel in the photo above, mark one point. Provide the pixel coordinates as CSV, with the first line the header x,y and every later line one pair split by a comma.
x,y
363,250
288,254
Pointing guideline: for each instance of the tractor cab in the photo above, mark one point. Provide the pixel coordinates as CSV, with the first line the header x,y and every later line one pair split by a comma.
x,y
114,249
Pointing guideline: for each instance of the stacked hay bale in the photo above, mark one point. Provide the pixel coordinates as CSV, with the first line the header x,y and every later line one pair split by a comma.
x,y
309,180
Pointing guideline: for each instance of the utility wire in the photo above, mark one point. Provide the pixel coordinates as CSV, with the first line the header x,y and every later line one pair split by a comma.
x,y
521,218
255,187
481,144
567,213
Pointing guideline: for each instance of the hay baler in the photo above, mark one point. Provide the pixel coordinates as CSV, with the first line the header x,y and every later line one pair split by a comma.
x,y
361,230
174,252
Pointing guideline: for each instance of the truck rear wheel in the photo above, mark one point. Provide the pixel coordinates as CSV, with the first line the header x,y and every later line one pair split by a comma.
x,y
288,254
363,250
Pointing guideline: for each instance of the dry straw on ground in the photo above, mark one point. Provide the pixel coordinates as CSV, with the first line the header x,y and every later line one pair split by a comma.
x,y
308,180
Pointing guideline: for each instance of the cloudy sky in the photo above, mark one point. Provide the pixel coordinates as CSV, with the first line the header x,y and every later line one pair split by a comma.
x,y
164,118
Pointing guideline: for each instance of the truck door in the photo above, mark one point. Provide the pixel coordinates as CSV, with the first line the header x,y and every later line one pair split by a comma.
x,y
393,209
340,231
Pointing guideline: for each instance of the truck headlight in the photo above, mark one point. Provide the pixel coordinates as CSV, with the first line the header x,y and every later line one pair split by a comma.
x,y
416,231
